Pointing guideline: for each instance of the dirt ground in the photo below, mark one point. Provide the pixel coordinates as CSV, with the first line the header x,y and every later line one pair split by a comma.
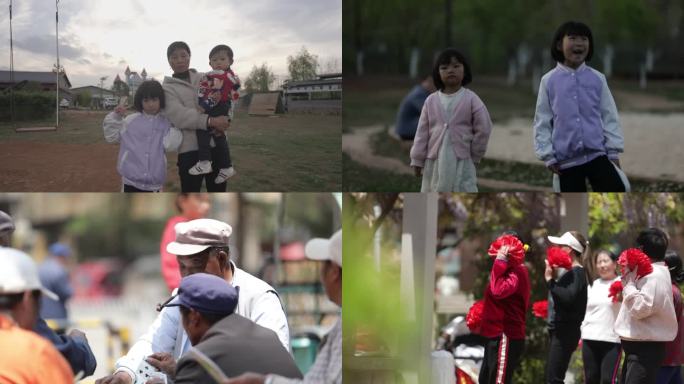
x,y
52,167
296,152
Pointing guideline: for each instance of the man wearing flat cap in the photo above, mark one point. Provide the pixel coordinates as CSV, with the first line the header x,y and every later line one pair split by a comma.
x,y
237,345
201,246
327,368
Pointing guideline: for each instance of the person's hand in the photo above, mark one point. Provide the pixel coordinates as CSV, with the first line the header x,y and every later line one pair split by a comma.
x,y
219,123
418,171
554,168
164,362
216,133
616,162
629,277
247,378
502,253
548,271
117,378
77,334
120,110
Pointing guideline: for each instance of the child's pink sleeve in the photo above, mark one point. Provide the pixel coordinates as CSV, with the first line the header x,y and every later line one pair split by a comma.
x,y
482,128
421,140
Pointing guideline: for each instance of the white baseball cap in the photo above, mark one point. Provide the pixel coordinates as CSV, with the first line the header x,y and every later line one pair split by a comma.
x,y
569,240
19,273
197,235
326,249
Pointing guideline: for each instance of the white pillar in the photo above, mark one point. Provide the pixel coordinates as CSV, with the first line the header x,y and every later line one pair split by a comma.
x,y
420,222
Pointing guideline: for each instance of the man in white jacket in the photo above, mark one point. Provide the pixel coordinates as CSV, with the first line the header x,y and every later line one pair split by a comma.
x,y
647,319
202,246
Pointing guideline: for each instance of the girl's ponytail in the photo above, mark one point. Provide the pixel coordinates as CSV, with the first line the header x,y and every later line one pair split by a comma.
x,y
586,257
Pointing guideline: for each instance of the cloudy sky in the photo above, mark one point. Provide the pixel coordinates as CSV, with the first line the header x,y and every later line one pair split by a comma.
x,y
101,37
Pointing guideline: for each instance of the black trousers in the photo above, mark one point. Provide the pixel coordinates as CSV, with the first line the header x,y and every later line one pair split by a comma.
x,y
601,361
220,153
130,188
203,138
642,361
501,359
600,172
562,343
193,183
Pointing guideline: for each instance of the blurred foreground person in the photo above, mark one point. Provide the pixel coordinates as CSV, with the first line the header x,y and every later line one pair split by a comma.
x,y
328,366
25,357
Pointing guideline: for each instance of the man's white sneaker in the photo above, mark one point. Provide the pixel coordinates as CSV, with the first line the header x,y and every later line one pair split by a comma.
x,y
224,174
201,168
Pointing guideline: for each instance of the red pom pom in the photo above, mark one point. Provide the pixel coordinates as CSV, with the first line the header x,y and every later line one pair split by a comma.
x,y
634,258
515,252
541,309
558,258
615,290
474,317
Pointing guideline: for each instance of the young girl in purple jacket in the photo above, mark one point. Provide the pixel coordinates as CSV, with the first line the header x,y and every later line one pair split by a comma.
x,y
145,136
453,129
577,133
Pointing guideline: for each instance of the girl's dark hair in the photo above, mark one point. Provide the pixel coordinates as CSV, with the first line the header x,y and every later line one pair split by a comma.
x,y
444,58
571,28
149,89
221,48
674,264
653,242
179,196
175,46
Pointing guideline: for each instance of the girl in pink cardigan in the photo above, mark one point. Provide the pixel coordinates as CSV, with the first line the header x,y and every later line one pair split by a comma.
x,y
453,129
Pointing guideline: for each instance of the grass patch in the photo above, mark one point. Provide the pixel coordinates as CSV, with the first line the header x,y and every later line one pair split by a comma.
x,y
357,177
512,171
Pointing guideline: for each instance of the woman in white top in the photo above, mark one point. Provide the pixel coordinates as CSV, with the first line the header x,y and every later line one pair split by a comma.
x,y
600,344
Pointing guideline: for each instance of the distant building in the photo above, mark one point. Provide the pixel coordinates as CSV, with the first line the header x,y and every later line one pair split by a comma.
x,y
134,80
46,81
320,95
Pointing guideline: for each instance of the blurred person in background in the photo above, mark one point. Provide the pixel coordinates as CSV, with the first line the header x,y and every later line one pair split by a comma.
x,y
601,349
190,206
411,106
328,365
73,346
55,277
25,357
671,370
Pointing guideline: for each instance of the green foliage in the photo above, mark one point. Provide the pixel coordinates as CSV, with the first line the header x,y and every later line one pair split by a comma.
x,y
302,66
28,105
120,88
386,31
84,99
260,79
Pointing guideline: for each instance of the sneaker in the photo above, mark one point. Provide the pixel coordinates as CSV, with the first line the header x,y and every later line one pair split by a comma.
x,y
224,174
201,168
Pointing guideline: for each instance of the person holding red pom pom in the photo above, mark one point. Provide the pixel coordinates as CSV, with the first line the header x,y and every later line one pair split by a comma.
x,y
647,319
506,300
671,371
567,303
600,344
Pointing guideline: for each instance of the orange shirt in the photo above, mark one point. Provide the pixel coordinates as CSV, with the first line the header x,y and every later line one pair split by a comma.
x,y
27,358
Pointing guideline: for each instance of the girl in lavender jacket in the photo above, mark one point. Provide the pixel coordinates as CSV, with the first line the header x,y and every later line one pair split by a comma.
x,y
145,136
453,129
577,133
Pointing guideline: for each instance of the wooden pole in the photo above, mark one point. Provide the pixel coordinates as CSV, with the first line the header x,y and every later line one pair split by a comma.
x,y
57,46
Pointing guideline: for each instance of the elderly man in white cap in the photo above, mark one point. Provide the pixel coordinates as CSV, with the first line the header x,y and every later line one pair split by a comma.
x,y
201,246
25,357
328,366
